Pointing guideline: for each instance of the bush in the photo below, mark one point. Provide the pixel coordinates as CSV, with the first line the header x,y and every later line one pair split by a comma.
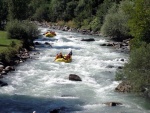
x,y
95,24
7,54
61,23
139,20
137,69
115,24
71,24
22,30
119,75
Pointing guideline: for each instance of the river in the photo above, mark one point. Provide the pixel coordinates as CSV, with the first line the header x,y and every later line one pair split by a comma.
x,y
41,85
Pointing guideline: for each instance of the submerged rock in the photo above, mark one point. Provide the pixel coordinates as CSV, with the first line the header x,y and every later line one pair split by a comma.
x,y
113,103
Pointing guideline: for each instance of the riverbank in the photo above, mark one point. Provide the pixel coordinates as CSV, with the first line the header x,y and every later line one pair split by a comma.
x,y
18,58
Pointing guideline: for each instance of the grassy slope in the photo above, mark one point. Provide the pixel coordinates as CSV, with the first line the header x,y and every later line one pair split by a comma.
x,y
5,42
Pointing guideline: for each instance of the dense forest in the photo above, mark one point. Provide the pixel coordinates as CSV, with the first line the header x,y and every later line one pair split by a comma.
x,y
121,19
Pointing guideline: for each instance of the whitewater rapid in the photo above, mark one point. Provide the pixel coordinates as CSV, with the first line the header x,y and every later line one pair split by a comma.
x,y
41,85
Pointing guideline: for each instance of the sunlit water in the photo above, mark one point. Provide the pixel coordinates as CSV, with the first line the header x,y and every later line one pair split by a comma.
x,y
41,85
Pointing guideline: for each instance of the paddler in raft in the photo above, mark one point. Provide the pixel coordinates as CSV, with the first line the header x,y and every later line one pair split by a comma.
x,y
61,56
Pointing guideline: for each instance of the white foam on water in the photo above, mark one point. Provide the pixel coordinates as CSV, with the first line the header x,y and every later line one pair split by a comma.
x,y
45,80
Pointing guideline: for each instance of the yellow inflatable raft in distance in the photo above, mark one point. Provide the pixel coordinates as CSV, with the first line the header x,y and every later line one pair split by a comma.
x,y
49,35
63,60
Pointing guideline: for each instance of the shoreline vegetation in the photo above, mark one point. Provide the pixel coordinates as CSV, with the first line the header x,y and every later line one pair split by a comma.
x,y
11,54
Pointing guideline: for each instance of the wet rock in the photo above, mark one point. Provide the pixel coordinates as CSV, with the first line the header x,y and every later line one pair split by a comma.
x,y
88,39
46,43
9,68
58,110
37,43
1,69
1,63
113,103
55,111
3,84
1,66
1,76
120,67
110,66
103,44
3,72
123,87
74,77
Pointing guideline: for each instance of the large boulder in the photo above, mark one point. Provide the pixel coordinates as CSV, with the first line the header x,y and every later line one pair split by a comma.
x,y
124,86
88,39
3,84
1,68
74,77
9,68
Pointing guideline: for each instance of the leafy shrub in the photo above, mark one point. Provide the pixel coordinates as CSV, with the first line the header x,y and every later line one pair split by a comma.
x,y
23,30
95,24
115,24
119,75
71,24
139,20
61,23
7,54
137,69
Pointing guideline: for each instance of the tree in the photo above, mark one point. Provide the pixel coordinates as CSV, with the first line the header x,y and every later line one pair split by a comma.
x,y
139,21
69,12
102,11
137,69
3,13
42,13
37,8
22,30
115,24
18,9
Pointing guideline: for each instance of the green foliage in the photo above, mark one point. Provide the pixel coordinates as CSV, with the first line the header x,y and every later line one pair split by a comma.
x,y
8,47
18,9
7,54
71,24
61,23
58,8
102,11
5,42
69,12
3,13
137,69
13,44
86,24
139,21
115,24
119,75
22,30
94,24
42,13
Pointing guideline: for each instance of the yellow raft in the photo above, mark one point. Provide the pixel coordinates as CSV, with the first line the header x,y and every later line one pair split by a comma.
x,y
49,35
63,60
